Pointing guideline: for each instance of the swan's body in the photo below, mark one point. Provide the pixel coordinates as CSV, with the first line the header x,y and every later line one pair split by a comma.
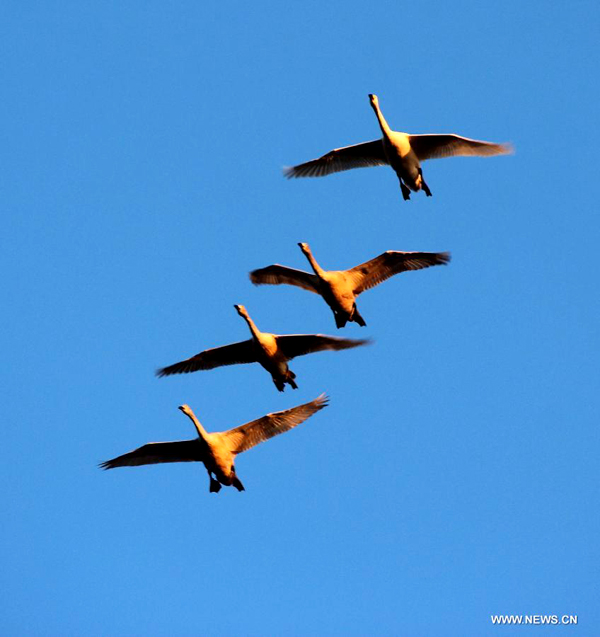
x,y
218,450
339,288
403,152
272,351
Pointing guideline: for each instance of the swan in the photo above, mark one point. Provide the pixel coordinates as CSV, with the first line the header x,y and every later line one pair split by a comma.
x,y
339,288
403,152
217,450
272,351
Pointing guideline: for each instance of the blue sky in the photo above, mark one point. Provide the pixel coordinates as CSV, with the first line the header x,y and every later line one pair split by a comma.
x,y
455,473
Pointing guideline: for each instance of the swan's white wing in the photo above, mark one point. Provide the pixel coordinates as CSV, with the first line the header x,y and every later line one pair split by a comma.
x,y
157,452
234,354
280,274
292,345
252,433
434,146
357,156
373,272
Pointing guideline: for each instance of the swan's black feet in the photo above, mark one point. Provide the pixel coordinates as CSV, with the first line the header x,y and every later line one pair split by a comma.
x,y
290,379
215,487
356,317
405,191
426,189
340,321
237,484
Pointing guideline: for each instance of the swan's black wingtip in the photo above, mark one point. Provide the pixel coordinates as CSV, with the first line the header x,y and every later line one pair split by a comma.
x,y
322,400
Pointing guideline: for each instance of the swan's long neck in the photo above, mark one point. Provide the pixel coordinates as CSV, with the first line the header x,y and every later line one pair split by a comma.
x,y
385,129
202,433
318,270
255,331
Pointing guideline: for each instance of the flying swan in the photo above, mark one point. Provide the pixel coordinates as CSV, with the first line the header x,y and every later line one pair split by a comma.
x,y
339,288
218,450
403,152
272,351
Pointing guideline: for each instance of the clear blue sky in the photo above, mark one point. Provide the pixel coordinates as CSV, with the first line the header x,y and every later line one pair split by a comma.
x,y
455,473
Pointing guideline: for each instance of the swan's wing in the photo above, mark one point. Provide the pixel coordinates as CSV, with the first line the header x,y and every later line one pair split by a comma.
x,y
373,272
234,354
434,146
157,452
292,345
247,436
280,274
357,156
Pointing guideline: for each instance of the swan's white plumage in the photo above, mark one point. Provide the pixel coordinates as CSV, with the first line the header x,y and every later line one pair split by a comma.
x,y
402,151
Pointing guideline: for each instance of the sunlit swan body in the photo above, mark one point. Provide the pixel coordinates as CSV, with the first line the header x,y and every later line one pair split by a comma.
x,y
403,152
339,288
272,351
218,450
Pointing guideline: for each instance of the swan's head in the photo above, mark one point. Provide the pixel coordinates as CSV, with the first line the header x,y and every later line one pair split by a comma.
x,y
373,99
241,310
304,247
187,410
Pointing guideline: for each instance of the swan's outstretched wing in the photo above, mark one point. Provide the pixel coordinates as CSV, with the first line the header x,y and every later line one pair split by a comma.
x,y
234,354
157,452
247,436
357,156
292,345
280,274
434,146
373,272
